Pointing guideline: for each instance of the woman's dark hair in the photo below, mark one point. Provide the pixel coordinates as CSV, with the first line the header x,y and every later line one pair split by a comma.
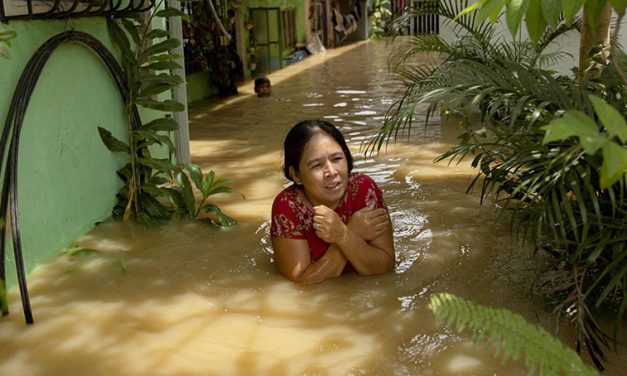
x,y
299,136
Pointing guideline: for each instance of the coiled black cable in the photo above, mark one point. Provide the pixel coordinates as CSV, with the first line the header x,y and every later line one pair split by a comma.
x,y
11,135
63,9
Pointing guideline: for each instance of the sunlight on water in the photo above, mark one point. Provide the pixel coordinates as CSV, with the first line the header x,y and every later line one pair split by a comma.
x,y
187,299
351,92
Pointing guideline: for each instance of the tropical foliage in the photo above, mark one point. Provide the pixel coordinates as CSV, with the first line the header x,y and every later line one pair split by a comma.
x,y
510,335
154,188
549,148
379,14
468,70
541,14
182,194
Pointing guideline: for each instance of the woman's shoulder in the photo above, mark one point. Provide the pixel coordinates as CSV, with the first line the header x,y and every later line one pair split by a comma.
x,y
364,191
361,179
286,195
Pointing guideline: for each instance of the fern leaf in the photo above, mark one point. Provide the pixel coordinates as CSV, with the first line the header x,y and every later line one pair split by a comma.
x,y
510,334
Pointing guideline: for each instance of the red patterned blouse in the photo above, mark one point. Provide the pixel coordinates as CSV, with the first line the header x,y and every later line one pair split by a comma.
x,y
292,219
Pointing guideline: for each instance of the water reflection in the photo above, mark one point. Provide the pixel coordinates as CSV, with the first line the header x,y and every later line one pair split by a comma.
x,y
190,300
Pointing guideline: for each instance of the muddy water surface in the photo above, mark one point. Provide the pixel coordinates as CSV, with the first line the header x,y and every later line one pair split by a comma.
x,y
190,300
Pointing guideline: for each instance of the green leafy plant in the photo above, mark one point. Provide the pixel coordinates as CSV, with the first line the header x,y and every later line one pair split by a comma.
x,y
143,53
479,72
153,185
182,194
510,334
379,14
564,190
610,139
540,14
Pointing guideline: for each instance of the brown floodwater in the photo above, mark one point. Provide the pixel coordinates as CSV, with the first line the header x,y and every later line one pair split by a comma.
x,y
187,299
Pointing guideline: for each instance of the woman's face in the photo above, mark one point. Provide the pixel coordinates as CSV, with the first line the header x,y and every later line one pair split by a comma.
x,y
323,171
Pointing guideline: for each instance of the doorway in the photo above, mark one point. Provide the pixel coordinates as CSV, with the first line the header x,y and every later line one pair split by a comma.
x,y
267,38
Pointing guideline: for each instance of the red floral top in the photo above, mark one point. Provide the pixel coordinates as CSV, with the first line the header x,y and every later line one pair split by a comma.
x,y
292,219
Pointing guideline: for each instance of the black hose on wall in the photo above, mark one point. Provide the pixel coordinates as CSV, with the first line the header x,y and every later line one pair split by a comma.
x,y
11,136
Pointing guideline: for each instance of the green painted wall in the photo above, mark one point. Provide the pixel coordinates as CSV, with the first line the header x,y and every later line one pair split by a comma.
x,y
284,4
67,178
199,86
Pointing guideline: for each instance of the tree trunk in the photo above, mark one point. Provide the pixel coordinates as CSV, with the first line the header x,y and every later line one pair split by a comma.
x,y
592,38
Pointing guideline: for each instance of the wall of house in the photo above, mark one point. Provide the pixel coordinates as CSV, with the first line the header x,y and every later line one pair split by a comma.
x,y
199,86
67,178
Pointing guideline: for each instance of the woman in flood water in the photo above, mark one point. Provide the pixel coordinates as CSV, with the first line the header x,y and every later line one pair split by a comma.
x,y
330,221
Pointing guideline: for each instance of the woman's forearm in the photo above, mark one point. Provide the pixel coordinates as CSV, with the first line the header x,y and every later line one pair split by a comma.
x,y
330,265
367,257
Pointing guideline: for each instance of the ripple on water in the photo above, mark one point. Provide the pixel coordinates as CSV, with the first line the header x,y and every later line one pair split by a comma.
x,y
421,348
411,238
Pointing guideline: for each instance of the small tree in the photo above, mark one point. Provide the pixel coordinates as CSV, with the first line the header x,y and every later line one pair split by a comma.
x,y
154,188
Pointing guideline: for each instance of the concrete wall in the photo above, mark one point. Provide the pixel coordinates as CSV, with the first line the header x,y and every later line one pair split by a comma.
x,y
67,178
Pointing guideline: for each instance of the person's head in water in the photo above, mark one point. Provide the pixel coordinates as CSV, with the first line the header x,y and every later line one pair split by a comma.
x,y
330,221
263,88
317,159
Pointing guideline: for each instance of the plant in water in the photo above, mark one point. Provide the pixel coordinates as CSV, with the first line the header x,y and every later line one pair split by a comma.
x,y
510,335
610,139
379,14
182,194
549,148
152,184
